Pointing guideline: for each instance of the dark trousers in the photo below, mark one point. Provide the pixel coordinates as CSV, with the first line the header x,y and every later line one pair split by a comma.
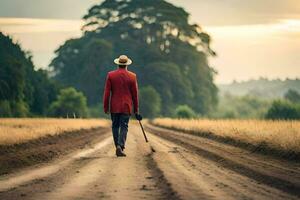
x,y
120,128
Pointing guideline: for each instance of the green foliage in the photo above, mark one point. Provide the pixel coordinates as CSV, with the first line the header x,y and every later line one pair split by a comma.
x,y
251,107
13,109
160,75
283,110
150,102
292,96
244,107
97,112
169,53
261,88
23,91
69,103
19,109
5,109
184,111
12,79
83,64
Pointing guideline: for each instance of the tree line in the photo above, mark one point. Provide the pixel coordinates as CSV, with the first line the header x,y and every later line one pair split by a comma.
x,y
253,107
169,56
26,92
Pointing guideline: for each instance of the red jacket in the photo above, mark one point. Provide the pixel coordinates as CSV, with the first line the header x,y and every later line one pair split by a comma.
x,y
121,92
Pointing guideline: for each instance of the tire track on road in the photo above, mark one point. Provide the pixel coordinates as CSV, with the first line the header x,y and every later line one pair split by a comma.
x,y
92,174
26,176
221,159
109,177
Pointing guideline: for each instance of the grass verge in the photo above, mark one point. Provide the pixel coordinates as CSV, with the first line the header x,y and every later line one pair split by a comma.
x,y
276,138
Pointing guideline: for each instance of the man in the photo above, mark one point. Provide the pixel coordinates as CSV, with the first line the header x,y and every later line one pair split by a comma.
x,y
121,100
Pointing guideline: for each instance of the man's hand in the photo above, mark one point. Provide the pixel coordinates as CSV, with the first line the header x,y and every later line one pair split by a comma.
x,y
138,117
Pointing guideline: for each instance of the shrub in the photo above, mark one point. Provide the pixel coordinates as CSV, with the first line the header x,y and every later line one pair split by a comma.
x,y
184,111
292,96
69,103
150,102
283,110
5,110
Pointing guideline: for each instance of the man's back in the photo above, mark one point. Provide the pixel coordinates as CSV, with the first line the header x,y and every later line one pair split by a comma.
x,y
120,93
121,90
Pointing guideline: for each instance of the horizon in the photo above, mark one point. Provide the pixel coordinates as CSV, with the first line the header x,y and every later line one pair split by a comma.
x,y
259,46
259,79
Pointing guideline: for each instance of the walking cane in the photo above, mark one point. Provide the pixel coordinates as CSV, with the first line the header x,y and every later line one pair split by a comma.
x,y
145,136
143,130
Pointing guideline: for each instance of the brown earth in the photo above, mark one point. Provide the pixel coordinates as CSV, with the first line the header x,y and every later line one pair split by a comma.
x,y
18,156
182,166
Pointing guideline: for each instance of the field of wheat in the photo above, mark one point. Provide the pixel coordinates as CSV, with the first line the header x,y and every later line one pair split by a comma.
x,y
13,131
282,135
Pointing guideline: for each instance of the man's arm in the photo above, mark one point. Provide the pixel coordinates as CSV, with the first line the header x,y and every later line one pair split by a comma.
x,y
135,98
106,95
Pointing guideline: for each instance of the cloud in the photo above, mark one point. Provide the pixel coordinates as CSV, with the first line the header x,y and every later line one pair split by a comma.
x,y
238,12
41,36
282,28
252,38
27,25
251,51
54,9
205,12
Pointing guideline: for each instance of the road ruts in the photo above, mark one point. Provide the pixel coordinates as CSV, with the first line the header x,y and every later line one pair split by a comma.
x,y
220,170
93,173
173,165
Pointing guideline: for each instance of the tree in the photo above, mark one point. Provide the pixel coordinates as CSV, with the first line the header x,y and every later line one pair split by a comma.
x,y
150,102
83,64
13,80
23,90
283,110
241,107
5,109
69,103
184,111
292,96
165,47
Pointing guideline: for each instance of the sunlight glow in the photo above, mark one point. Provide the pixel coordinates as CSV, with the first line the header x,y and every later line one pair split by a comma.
x,y
28,25
283,26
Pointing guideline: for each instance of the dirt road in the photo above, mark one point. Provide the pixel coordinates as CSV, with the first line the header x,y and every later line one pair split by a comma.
x,y
182,167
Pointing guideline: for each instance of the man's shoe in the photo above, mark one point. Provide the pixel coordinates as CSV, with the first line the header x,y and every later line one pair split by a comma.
x,y
123,154
119,152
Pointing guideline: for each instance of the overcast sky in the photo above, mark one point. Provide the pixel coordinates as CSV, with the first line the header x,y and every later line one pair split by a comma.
x,y
252,38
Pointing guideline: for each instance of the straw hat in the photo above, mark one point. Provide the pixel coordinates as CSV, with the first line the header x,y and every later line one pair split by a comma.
x,y
123,60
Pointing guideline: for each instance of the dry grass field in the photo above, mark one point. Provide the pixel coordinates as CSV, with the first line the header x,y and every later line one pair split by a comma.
x,y
281,135
13,131
173,165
